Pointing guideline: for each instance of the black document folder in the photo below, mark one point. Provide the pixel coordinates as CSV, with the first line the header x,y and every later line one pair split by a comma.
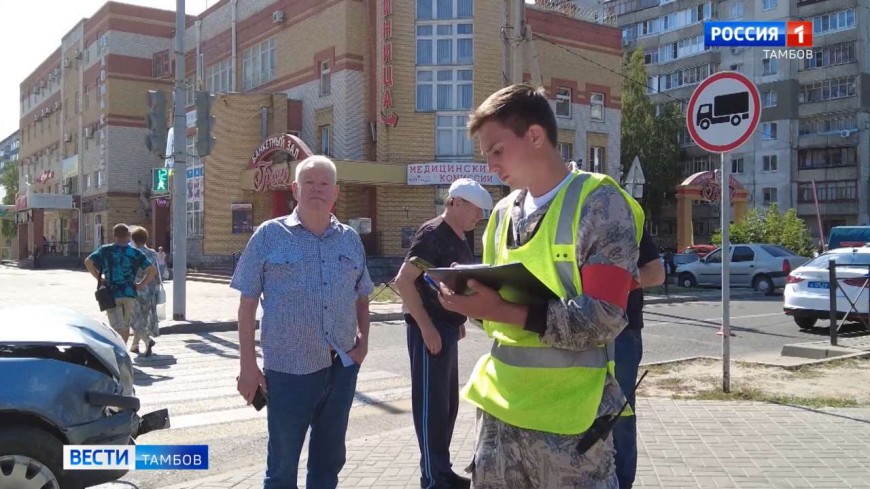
x,y
514,281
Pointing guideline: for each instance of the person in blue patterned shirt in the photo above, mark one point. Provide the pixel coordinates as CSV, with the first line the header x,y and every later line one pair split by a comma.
x,y
117,264
309,271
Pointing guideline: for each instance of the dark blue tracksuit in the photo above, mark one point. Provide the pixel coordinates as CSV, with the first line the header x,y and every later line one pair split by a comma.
x,y
435,399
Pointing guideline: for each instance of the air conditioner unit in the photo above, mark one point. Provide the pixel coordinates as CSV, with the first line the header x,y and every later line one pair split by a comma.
x,y
278,17
845,133
67,137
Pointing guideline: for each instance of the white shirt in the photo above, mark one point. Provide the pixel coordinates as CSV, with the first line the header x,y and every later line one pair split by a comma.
x,y
531,204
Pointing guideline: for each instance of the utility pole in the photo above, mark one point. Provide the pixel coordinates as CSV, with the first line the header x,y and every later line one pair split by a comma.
x,y
517,38
179,199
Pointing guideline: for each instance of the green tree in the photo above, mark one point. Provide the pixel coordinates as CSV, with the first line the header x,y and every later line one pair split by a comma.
x,y
650,137
771,227
9,180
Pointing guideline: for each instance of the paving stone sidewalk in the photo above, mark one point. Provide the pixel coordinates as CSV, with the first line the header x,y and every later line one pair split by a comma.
x,y
683,444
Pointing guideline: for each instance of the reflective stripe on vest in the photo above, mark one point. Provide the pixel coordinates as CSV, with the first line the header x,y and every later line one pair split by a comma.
x,y
549,357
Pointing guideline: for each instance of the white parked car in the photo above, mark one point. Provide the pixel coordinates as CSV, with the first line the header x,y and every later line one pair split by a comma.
x,y
763,267
807,292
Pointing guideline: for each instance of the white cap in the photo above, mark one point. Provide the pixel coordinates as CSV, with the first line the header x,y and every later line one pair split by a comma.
x,y
468,189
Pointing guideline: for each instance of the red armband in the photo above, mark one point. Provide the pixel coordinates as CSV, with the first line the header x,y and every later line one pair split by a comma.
x,y
607,283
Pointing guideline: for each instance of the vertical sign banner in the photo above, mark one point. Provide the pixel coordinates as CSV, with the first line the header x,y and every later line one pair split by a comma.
x,y
102,49
388,115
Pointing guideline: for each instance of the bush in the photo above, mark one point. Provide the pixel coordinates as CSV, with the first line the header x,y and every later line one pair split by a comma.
x,y
772,227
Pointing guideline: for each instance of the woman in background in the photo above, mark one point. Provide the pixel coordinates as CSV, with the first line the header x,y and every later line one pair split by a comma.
x,y
145,325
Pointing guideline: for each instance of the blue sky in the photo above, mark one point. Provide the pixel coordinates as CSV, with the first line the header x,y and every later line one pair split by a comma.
x,y
33,29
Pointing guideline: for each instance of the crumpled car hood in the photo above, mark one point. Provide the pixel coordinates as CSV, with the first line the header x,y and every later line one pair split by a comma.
x,y
55,325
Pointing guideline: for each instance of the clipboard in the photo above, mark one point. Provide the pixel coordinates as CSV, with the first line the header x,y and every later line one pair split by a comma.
x,y
514,281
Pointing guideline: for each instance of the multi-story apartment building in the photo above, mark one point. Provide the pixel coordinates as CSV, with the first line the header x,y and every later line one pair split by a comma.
x,y
9,149
808,105
383,87
82,129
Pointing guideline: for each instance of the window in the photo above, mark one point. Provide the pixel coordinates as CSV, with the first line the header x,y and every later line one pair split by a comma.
x,y
714,257
839,191
444,9
830,89
737,166
742,254
768,130
768,4
686,77
190,93
834,21
563,102
566,150
194,218
829,125
827,157
768,98
737,67
651,56
768,163
89,184
768,195
769,66
737,9
325,143
444,89
99,178
218,77
445,44
325,80
451,136
597,162
258,64
161,65
596,106
833,55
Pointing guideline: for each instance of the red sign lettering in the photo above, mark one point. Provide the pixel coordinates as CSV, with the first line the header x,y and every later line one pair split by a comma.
x,y
388,7
388,29
388,98
388,76
388,52
388,116
271,177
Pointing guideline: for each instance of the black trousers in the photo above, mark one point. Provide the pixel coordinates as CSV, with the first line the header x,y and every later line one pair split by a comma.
x,y
434,399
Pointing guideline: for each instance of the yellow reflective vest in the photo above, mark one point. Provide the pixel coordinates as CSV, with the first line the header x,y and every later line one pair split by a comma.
x,y
522,381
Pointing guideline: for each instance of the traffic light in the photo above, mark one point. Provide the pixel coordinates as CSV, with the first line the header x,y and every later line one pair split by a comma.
x,y
160,178
155,121
204,123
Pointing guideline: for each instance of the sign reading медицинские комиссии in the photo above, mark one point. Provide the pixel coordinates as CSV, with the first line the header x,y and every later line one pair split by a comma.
x,y
446,173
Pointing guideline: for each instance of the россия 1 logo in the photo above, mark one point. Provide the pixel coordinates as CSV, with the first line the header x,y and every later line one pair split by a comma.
x,y
791,35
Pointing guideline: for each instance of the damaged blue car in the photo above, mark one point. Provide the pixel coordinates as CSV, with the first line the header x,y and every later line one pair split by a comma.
x,y
66,380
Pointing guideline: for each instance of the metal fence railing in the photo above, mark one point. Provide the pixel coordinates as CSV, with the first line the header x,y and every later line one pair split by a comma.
x,y
835,287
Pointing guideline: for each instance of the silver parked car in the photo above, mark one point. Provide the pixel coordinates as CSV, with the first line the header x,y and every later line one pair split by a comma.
x,y
763,267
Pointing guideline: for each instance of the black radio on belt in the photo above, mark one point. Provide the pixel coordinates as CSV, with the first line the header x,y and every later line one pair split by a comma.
x,y
602,426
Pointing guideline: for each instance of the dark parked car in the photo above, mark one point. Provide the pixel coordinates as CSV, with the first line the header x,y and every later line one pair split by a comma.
x,y
67,380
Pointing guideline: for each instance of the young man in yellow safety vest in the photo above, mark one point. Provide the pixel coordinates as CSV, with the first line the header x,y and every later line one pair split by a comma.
x,y
546,393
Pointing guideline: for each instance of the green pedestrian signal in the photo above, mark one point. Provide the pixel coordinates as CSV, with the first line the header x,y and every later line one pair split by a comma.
x,y
160,179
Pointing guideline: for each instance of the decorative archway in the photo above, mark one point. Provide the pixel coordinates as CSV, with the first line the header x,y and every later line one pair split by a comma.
x,y
705,186
266,175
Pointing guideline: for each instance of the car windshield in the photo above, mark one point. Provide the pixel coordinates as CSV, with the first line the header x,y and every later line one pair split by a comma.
x,y
778,251
856,259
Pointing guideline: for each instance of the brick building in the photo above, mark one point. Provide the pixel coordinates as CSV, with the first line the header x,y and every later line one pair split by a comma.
x,y
83,163
383,87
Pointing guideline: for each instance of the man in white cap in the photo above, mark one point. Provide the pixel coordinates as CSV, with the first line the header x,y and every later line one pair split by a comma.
x,y
433,332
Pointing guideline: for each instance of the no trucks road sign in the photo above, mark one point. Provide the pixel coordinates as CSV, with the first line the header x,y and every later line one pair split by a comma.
x,y
723,112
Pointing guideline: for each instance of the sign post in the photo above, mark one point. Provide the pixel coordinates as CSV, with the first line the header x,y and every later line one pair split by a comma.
x,y
722,114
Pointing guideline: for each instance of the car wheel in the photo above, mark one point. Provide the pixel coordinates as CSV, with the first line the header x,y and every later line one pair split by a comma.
x,y
735,120
687,280
30,458
763,284
805,322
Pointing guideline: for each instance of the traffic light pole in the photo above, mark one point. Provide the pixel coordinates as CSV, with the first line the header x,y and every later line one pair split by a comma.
x,y
179,188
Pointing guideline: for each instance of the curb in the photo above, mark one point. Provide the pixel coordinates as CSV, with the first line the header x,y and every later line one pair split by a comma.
x,y
796,366
226,325
696,298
